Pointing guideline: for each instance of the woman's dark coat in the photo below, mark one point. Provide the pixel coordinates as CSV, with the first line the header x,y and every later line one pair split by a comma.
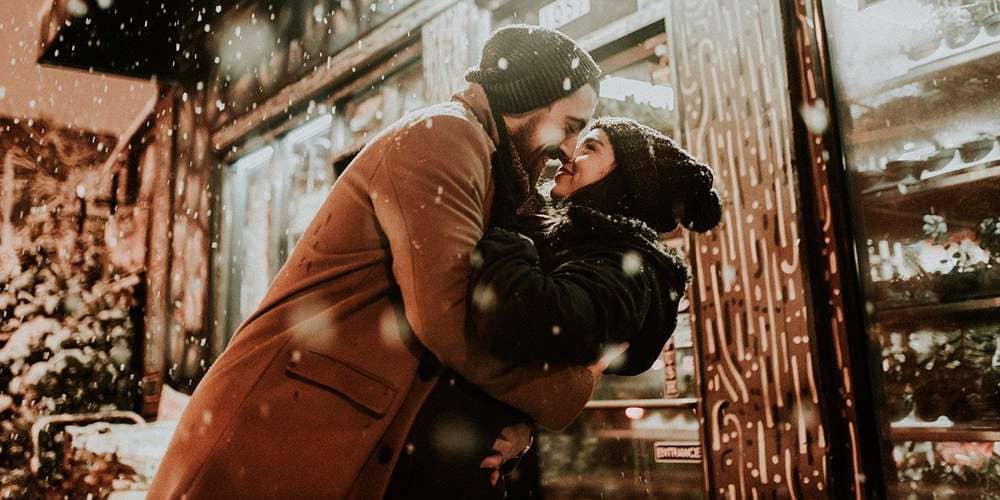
x,y
588,279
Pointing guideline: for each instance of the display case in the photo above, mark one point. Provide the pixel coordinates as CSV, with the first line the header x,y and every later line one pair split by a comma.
x,y
612,454
919,113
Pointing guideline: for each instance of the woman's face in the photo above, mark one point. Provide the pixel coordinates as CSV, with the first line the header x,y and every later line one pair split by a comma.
x,y
592,161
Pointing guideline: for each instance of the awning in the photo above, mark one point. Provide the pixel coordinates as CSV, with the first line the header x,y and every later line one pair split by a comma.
x,y
138,38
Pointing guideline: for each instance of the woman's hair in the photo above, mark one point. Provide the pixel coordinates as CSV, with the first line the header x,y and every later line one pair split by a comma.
x,y
654,180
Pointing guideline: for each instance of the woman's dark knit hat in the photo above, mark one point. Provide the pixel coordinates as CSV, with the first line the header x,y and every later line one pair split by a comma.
x,y
654,180
526,67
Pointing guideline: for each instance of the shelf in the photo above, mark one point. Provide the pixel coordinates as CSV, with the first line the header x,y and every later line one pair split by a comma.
x,y
893,194
945,60
912,313
964,196
950,434
649,404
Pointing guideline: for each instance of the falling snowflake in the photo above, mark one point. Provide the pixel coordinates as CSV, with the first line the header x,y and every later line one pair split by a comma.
x,y
631,263
816,116
484,297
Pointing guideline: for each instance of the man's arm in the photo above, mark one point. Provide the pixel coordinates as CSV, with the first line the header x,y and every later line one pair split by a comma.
x,y
430,196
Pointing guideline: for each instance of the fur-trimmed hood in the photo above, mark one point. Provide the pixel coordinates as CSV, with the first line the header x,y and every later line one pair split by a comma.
x,y
563,227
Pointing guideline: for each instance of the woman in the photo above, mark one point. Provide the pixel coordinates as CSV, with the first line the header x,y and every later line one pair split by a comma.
x,y
590,275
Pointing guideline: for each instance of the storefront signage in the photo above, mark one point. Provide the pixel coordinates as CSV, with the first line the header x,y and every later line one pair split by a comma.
x,y
677,451
562,12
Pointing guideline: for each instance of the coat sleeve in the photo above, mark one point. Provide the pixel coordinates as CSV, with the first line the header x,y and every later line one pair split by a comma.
x,y
430,195
565,315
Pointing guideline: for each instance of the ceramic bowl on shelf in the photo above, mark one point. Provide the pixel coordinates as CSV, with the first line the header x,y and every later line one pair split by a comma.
x,y
989,280
939,159
920,49
976,150
903,170
960,35
956,286
992,24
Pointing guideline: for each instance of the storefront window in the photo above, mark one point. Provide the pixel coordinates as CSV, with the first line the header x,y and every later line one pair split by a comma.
x,y
614,454
920,118
271,194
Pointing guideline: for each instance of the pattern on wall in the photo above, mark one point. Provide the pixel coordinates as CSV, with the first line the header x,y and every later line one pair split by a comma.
x,y
763,430
833,270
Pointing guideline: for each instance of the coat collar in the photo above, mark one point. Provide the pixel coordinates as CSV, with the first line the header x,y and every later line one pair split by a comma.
x,y
474,98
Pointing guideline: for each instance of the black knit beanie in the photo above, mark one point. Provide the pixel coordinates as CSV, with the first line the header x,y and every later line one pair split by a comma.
x,y
654,180
526,67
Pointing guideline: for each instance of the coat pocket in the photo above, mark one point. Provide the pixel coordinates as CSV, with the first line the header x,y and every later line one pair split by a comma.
x,y
362,388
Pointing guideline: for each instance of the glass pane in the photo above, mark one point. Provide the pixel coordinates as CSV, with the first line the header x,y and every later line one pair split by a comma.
x,y
308,149
641,90
946,470
918,363
920,117
372,111
610,454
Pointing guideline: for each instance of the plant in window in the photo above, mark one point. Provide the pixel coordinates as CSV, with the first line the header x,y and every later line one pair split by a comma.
x,y
955,261
899,367
989,237
938,358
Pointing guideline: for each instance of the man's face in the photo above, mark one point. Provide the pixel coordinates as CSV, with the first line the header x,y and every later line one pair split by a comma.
x,y
551,132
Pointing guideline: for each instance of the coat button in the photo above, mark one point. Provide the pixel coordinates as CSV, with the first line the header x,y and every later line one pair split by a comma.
x,y
384,454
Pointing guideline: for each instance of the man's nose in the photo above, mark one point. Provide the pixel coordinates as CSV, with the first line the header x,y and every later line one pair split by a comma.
x,y
567,148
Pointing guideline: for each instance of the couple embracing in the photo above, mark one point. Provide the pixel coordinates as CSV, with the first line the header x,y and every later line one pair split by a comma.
x,y
439,309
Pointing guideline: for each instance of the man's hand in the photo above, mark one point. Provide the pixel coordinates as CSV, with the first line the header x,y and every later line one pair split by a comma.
x,y
514,441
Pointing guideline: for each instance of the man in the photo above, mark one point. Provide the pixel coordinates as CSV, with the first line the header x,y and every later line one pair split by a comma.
x,y
316,393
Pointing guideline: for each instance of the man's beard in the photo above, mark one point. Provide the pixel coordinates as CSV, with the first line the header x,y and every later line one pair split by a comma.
x,y
533,161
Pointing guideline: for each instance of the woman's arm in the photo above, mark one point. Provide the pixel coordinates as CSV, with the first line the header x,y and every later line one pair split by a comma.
x,y
566,315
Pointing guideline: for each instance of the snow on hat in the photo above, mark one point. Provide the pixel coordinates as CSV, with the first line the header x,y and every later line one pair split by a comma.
x,y
665,185
525,67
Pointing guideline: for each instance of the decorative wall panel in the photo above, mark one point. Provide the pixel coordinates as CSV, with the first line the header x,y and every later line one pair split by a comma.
x,y
763,429
836,301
